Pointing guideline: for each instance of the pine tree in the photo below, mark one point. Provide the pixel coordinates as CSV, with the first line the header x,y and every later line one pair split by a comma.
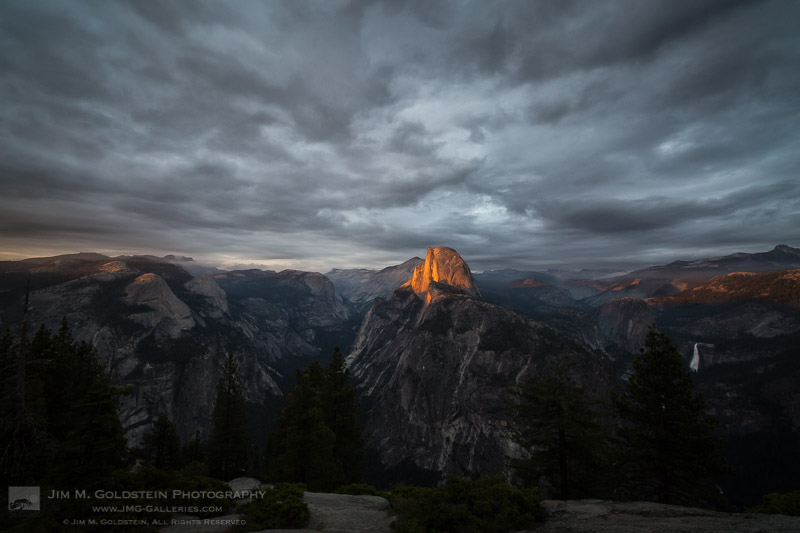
x,y
341,416
21,425
317,439
302,445
228,443
161,444
557,427
667,446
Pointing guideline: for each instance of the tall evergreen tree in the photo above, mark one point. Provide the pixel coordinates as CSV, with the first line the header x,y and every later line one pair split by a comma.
x,y
302,445
317,439
557,427
228,442
161,444
667,444
21,426
341,416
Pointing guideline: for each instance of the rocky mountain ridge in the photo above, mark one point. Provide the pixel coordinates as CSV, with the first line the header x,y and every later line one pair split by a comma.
x,y
435,356
437,361
668,280
164,333
361,286
781,287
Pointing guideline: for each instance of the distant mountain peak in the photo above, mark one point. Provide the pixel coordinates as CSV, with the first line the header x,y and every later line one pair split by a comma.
x,y
787,249
414,260
443,271
182,258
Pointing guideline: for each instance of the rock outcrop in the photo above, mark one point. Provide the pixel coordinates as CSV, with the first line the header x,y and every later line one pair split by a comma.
x,y
444,271
623,324
341,513
598,516
167,312
208,289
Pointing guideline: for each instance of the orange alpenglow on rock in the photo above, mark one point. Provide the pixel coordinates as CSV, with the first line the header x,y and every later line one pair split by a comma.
x,y
444,271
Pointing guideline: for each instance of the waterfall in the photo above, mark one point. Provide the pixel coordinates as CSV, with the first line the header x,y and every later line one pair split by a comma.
x,y
695,364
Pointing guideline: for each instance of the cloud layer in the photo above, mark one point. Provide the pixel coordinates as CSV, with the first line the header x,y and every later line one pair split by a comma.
x,y
320,134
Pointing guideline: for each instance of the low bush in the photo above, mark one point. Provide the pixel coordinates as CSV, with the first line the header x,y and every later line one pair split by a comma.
x,y
281,507
485,504
775,503
361,489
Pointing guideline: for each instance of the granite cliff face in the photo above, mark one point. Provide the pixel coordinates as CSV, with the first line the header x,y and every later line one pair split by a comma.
x,y
437,361
622,325
291,313
444,271
165,333
167,313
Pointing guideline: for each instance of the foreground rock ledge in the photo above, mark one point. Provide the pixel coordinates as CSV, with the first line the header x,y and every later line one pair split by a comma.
x,y
333,513
584,516
342,513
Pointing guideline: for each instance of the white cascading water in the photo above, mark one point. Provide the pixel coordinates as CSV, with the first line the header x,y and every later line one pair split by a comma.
x,y
695,364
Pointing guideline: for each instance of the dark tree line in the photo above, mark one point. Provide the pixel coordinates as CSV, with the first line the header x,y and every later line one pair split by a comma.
x,y
59,428
316,440
656,441
58,422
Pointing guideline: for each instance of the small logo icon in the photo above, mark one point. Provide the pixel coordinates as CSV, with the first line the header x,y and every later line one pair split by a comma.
x,y
23,499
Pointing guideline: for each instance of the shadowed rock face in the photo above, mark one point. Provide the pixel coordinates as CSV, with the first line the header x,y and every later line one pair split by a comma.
x,y
443,271
208,289
168,312
165,333
440,368
623,323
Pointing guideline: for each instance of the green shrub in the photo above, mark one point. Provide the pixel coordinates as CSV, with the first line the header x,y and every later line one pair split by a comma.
x,y
774,503
281,507
485,504
361,489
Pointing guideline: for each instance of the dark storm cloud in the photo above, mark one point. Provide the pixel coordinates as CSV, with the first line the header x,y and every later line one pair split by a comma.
x,y
359,133
608,216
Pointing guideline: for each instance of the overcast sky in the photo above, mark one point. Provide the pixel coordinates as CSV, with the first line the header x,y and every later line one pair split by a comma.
x,y
325,134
